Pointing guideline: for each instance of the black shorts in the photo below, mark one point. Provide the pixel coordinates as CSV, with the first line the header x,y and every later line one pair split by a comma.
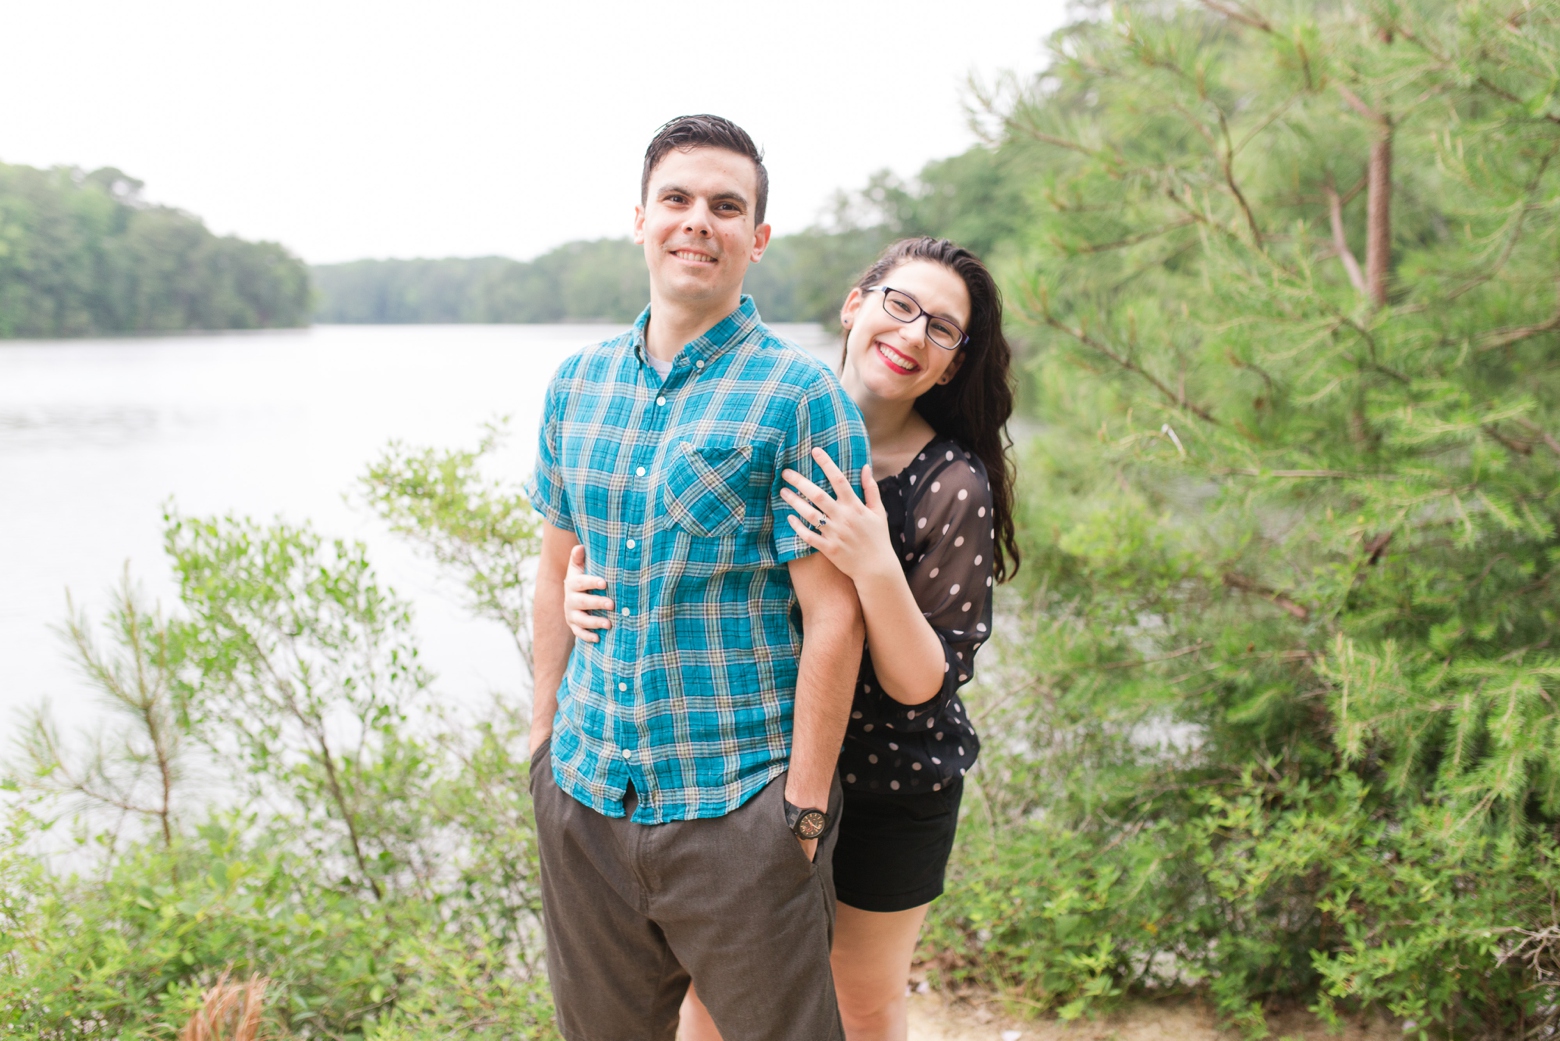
x,y
893,849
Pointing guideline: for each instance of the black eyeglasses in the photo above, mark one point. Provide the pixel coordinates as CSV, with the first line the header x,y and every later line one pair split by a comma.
x,y
902,308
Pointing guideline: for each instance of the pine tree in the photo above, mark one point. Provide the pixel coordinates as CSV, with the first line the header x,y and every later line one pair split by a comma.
x,y
1291,600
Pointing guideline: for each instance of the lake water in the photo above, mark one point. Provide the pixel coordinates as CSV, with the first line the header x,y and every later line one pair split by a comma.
x,y
97,435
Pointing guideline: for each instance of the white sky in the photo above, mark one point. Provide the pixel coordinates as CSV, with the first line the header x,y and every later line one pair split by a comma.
x,y
347,128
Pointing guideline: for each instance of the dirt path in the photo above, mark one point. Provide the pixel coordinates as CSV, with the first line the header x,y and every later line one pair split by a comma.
x,y
934,1019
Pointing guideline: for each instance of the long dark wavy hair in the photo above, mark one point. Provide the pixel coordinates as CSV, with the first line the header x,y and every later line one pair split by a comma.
x,y
973,407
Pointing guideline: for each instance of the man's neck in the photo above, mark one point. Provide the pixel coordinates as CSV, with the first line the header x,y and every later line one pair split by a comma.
x,y
674,323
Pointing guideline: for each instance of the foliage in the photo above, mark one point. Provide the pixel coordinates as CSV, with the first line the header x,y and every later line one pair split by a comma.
x,y
483,531
84,254
804,277
129,955
596,281
1280,719
798,280
367,851
136,774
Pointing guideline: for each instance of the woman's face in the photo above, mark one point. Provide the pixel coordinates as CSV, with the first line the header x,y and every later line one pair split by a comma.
x,y
893,360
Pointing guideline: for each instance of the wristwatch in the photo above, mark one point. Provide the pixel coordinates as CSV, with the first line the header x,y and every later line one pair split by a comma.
x,y
805,824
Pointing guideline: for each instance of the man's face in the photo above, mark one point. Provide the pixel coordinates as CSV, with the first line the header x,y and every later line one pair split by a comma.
x,y
697,227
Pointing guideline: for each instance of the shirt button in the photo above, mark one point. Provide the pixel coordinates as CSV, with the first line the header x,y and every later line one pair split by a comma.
x,y
628,753
625,610
622,686
661,400
640,471
630,543
698,365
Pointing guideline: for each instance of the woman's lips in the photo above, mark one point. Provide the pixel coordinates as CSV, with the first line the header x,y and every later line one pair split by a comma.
x,y
894,360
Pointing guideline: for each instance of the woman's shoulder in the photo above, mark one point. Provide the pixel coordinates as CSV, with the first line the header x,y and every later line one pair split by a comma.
x,y
952,473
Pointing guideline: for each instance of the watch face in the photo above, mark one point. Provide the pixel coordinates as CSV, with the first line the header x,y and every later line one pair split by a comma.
x,y
811,824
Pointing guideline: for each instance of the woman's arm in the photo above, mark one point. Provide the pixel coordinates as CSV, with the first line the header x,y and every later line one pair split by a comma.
x,y
854,536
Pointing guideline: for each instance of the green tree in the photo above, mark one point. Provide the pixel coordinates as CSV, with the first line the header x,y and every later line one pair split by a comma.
x,y
84,254
1286,723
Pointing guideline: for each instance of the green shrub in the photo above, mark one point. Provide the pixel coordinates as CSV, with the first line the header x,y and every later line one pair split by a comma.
x,y
1277,712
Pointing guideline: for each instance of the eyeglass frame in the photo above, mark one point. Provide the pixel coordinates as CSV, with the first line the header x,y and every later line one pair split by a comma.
x,y
920,312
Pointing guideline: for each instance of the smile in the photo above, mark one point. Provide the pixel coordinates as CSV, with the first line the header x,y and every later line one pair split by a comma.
x,y
693,258
900,363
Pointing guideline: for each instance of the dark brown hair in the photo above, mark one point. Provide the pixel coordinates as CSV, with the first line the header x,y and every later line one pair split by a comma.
x,y
973,407
685,133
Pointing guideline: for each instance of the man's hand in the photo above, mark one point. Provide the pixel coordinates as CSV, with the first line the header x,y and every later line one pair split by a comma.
x,y
809,847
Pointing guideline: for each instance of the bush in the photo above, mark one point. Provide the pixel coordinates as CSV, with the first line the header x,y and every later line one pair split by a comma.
x,y
371,858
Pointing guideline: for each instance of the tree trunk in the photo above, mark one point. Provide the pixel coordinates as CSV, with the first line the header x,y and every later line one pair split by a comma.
x,y
1378,216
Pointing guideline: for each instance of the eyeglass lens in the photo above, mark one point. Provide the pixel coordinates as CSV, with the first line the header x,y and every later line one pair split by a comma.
x,y
940,331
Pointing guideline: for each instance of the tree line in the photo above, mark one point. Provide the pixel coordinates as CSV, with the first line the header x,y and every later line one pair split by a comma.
x,y
1272,717
83,253
603,280
801,278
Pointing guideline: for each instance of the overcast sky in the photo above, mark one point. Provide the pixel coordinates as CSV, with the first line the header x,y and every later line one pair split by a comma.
x,y
347,128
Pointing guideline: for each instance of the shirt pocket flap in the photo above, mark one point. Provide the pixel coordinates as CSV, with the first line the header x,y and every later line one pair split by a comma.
x,y
705,487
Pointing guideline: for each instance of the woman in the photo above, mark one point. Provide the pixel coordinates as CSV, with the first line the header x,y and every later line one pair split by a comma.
x,y
926,362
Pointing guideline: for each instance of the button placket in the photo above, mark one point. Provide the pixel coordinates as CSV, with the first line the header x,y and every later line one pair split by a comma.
x,y
653,422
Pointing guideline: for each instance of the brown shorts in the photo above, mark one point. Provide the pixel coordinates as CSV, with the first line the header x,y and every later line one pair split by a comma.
x,y
634,911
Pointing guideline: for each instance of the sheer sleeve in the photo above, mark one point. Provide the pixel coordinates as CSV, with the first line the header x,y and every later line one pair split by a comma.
x,y
951,575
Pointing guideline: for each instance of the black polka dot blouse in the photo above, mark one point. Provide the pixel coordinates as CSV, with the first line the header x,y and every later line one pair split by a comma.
x,y
940,520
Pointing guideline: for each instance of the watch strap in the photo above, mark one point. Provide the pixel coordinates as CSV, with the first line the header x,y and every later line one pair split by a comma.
x,y
793,817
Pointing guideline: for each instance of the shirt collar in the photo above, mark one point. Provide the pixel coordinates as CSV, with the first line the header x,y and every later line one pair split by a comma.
x,y
713,342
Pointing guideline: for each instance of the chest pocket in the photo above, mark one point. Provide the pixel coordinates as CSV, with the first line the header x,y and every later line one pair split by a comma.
x,y
704,487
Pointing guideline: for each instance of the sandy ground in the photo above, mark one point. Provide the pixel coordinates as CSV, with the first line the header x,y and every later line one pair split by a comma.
x,y
932,1018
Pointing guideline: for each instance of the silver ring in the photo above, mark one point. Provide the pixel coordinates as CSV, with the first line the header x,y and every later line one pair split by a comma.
x,y
821,521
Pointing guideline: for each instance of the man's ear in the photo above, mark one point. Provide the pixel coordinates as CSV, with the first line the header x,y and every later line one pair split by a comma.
x,y
952,370
760,242
639,225
851,305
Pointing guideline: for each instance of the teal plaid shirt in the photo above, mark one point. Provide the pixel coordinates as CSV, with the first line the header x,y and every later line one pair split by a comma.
x,y
674,489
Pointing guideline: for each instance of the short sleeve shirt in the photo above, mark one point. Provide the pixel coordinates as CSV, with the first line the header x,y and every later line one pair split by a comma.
x,y
673,486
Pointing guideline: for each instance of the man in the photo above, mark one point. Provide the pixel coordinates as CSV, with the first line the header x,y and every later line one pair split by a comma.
x,y
683,766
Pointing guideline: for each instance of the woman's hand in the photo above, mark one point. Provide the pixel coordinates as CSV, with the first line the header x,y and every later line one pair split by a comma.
x,y
853,534
579,601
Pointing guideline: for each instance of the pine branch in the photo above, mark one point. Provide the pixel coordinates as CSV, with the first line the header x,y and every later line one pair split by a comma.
x,y
1227,161
1238,13
1519,447
1543,435
1126,363
1249,585
1483,82
1507,337
1341,243
1335,475
1131,240
1359,105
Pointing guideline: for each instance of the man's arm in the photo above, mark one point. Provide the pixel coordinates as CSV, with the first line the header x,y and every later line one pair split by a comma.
x,y
832,631
551,640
